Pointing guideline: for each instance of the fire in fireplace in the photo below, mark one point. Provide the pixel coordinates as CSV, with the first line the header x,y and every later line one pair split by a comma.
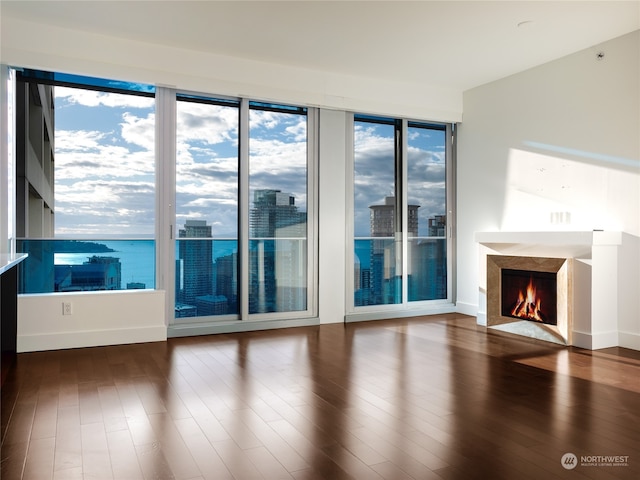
x,y
529,295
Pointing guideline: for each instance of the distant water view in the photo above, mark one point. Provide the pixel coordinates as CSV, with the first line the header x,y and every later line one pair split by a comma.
x,y
137,258
60,265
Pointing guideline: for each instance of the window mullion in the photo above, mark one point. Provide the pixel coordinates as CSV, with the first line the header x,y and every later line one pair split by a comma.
x,y
350,238
165,195
7,161
403,180
450,196
398,215
243,203
312,216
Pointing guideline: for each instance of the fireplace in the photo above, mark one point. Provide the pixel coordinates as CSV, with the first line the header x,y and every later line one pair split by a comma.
x,y
530,296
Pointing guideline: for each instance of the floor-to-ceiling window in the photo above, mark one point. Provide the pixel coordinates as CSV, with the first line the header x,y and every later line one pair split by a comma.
x,y
377,254
278,208
104,166
207,176
244,173
400,206
426,186
85,183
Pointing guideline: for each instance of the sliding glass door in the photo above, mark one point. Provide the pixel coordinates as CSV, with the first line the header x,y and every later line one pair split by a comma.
x,y
243,180
278,209
400,200
207,175
377,218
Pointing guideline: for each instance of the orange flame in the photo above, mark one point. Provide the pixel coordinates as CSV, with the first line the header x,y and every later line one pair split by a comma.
x,y
528,306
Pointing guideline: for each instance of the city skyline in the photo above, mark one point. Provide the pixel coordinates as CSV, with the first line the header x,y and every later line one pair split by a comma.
x,y
206,282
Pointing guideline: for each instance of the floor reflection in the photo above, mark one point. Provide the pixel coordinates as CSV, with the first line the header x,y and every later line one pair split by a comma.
x,y
434,397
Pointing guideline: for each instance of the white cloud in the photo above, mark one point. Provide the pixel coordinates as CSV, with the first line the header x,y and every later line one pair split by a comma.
x,y
265,119
139,131
299,130
92,98
375,178
206,124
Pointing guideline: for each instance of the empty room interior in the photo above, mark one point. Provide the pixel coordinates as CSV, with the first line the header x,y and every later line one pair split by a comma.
x,y
320,240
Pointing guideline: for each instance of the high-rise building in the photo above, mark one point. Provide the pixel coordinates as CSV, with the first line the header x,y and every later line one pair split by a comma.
x,y
383,219
428,263
34,159
195,262
385,286
272,211
195,229
277,253
226,280
34,201
438,226
211,305
97,273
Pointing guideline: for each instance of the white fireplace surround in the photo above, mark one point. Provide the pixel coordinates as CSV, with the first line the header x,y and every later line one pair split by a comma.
x,y
606,282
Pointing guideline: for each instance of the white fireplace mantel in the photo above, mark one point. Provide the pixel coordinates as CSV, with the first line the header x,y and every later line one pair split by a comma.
x,y
600,269
565,244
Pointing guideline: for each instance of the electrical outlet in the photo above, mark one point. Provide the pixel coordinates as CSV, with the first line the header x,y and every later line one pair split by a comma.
x,y
66,308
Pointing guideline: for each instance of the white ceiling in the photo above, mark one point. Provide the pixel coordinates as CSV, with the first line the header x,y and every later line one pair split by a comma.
x,y
458,44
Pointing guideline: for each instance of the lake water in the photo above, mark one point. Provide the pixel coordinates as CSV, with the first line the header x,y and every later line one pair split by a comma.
x,y
137,258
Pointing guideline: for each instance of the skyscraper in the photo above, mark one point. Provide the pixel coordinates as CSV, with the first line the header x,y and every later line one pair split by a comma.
x,y
195,262
34,159
383,219
277,250
226,280
385,286
97,273
34,170
438,226
272,211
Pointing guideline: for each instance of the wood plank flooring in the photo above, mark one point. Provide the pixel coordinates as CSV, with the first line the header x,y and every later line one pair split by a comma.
x,y
424,398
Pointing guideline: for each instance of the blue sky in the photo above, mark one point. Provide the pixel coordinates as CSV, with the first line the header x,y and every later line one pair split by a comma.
x,y
104,179
207,161
374,172
105,161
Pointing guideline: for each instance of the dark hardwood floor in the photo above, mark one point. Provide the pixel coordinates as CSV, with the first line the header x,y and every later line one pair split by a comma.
x,y
424,398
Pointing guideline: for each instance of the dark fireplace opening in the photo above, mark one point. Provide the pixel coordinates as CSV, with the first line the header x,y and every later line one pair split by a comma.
x,y
529,295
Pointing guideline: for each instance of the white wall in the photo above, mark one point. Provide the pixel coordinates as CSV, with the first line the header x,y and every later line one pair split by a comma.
x,y
561,137
332,220
589,106
39,46
43,47
102,318
629,288
7,166
97,319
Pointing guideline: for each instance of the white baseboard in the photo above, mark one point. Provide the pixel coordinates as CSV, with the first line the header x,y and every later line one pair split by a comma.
x,y
467,308
434,309
111,317
629,340
195,329
94,338
596,341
